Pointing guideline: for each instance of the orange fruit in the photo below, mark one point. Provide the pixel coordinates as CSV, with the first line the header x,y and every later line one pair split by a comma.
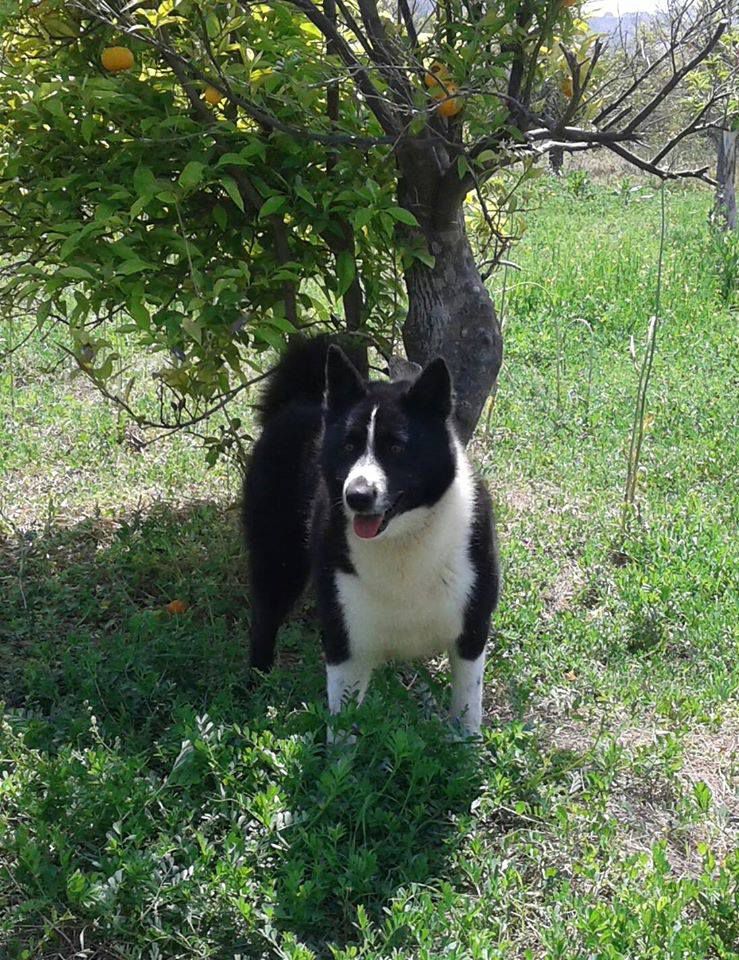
x,y
567,88
176,606
569,3
449,105
437,71
116,59
212,96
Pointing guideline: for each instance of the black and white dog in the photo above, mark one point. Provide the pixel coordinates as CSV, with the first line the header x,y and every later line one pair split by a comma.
x,y
365,486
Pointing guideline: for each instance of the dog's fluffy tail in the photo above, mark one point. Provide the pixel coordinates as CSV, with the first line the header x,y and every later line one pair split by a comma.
x,y
300,374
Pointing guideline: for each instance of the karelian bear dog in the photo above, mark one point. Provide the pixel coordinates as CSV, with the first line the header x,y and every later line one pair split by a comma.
x,y
363,487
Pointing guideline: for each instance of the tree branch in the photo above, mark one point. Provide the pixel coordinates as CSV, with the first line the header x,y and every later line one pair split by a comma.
x,y
701,173
359,74
674,43
267,121
692,127
342,239
405,12
670,85
247,190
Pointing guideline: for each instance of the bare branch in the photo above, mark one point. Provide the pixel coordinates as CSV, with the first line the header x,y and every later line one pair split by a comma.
x,y
701,173
410,26
351,22
693,127
655,64
670,85
143,421
577,134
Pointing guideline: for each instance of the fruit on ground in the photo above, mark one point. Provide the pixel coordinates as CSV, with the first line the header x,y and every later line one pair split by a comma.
x,y
176,606
116,59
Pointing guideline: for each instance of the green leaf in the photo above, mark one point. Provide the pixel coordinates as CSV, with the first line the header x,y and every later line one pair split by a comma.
x,y
144,181
133,266
70,244
426,258
305,194
269,335
87,128
282,323
138,205
193,328
463,166
191,175
272,205
403,216
231,188
75,273
362,217
138,311
243,157
345,270
233,160
220,217
703,795
486,156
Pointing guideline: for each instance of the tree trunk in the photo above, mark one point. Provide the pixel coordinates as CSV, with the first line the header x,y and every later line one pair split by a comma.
x,y
726,178
450,314
556,160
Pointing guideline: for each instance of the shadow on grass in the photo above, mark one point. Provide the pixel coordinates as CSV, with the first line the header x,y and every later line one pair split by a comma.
x,y
137,725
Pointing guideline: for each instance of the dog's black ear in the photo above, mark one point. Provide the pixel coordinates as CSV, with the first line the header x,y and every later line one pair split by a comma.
x,y
432,392
344,386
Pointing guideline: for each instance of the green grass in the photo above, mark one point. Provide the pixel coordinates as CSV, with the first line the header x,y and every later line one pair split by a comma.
x,y
152,805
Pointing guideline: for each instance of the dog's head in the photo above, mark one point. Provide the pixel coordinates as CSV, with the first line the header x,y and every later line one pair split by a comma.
x,y
388,451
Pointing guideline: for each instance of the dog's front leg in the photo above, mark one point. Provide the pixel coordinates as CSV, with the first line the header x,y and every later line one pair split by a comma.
x,y
467,683
346,681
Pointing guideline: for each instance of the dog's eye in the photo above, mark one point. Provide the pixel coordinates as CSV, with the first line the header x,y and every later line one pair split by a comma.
x,y
396,448
349,446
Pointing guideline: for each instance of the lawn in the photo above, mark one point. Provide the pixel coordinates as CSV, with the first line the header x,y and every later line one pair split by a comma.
x,y
153,806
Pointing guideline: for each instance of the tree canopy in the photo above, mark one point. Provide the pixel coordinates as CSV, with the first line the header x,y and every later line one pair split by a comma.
x,y
250,168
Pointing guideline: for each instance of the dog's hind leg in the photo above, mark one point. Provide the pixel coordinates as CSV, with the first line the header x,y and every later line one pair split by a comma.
x,y
277,581
277,498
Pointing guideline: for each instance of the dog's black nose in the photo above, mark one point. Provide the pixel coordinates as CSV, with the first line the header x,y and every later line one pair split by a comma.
x,y
360,495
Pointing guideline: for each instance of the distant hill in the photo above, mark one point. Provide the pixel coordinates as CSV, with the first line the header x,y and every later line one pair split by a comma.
x,y
610,24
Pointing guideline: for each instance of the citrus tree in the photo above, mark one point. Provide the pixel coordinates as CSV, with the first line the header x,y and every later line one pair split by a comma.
x,y
205,178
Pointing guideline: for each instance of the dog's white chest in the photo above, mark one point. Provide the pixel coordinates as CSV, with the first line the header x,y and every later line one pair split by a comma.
x,y
391,625
408,601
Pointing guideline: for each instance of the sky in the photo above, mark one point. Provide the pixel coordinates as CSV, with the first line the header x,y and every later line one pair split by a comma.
x,y
599,7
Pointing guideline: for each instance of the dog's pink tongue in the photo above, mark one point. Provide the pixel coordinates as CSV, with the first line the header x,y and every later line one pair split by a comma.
x,y
367,527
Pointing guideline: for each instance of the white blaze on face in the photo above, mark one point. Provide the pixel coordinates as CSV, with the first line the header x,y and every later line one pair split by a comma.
x,y
368,467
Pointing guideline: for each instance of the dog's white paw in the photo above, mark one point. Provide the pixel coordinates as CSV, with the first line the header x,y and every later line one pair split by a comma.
x,y
460,732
